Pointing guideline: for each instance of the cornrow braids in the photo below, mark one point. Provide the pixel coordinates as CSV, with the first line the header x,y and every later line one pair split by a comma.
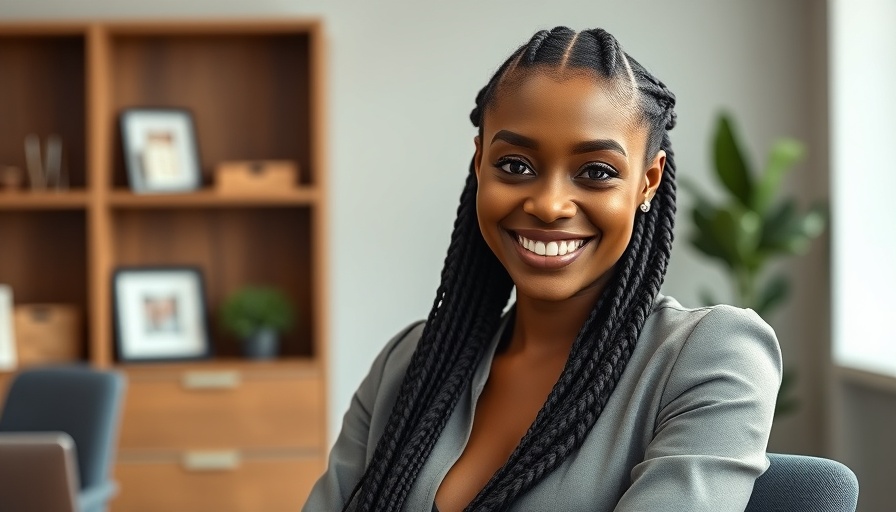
x,y
475,287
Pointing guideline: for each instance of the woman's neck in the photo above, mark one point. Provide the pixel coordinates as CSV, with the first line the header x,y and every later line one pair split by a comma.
x,y
548,328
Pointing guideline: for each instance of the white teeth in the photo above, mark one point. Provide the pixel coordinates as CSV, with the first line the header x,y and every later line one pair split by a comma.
x,y
556,248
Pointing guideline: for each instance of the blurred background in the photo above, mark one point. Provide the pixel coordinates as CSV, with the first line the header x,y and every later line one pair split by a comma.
x,y
400,78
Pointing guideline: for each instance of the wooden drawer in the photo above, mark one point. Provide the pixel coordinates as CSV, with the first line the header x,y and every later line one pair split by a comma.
x,y
223,408
257,484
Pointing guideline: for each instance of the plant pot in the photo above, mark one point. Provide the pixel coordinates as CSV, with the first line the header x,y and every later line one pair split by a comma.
x,y
264,344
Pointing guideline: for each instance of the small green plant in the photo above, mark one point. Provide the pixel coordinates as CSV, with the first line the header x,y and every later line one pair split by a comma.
x,y
252,309
753,226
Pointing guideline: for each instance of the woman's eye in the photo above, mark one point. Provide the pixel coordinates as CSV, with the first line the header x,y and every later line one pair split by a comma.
x,y
598,172
515,167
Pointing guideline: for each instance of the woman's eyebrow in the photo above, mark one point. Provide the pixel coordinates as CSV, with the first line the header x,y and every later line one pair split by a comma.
x,y
598,145
514,139
582,147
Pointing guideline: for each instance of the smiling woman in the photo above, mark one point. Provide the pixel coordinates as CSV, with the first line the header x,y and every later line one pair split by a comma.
x,y
594,391
562,162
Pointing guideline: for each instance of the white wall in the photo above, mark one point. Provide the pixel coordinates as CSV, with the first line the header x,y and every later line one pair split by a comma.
x,y
863,78
862,47
403,76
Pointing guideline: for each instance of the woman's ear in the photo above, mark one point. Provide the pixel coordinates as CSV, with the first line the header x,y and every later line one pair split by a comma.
x,y
653,175
477,156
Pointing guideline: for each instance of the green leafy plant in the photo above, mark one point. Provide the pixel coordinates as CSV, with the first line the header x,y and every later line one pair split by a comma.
x,y
252,309
753,226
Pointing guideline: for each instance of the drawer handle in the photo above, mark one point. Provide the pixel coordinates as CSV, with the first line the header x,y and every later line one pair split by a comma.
x,y
226,460
211,380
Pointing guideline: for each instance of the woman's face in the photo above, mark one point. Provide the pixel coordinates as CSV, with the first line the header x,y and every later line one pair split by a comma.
x,y
561,172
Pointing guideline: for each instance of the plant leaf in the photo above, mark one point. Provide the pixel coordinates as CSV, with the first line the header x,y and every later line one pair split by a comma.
x,y
749,231
252,308
781,159
815,220
722,233
787,403
702,238
703,218
737,232
707,298
779,228
789,232
772,295
731,165
705,244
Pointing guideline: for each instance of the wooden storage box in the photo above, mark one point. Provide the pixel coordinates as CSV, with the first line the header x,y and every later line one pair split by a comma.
x,y
268,176
47,333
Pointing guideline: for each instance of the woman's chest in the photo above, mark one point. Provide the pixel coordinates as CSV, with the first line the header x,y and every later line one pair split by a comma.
x,y
514,393
592,478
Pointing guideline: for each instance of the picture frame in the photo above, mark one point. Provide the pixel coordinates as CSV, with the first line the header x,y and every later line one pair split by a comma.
x,y
160,314
160,150
8,358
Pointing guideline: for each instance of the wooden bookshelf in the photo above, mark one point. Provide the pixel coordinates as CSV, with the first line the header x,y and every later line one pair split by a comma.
x,y
255,90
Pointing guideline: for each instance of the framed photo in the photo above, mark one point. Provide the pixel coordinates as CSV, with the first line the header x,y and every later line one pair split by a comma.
x,y
160,150
160,314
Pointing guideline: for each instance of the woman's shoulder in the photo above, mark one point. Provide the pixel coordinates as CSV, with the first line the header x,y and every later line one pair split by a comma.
x,y
712,335
397,353
670,317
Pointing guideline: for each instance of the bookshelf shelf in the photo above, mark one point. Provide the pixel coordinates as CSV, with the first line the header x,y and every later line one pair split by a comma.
x,y
72,200
125,199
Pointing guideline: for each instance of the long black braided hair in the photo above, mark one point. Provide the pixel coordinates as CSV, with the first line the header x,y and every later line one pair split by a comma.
x,y
475,288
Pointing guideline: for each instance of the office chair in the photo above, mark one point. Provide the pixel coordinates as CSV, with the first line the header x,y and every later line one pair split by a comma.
x,y
82,402
798,483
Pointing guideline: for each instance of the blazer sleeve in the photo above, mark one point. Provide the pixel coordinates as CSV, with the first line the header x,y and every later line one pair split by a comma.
x,y
348,457
712,428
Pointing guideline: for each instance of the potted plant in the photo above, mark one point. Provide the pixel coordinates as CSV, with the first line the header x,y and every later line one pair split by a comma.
x,y
753,226
257,316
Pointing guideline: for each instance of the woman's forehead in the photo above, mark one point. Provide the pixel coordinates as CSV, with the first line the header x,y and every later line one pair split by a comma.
x,y
553,104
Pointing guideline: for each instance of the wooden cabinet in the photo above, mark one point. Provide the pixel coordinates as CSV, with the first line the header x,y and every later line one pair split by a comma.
x,y
222,434
259,483
247,405
251,428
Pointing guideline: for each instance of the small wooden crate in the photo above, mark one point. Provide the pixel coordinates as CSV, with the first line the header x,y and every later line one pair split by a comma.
x,y
259,176
47,333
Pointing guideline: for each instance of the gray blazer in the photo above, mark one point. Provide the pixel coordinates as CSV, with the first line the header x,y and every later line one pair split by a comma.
x,y
685,429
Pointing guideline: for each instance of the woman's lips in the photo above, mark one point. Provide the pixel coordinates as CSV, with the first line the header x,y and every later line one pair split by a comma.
x,y
542,249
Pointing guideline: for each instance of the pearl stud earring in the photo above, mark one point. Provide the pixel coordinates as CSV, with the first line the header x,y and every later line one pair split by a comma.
x,y
645,206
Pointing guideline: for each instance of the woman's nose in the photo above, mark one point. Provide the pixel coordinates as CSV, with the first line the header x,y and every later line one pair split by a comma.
x,y
551,200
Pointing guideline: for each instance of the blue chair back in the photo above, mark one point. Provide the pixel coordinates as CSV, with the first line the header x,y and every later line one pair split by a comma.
x,y
84,403
799,483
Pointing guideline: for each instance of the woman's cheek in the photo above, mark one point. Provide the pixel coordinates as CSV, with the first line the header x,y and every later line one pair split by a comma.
x,y
491,200
611,212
